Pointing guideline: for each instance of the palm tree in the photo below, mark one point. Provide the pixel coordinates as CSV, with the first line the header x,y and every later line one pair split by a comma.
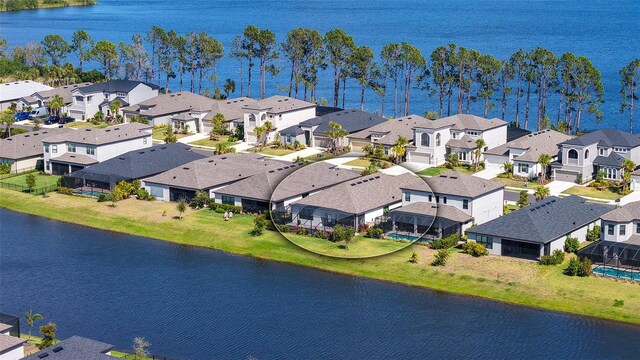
x,y
55,104
267,127
628,167
541,192
335,135
31,318
544,160
400,148
114,107
480,144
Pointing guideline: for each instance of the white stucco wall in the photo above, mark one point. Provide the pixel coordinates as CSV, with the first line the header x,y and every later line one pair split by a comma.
x,y
13,354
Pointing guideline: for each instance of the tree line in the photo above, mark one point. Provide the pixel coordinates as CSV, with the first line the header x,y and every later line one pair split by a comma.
x,y
526,83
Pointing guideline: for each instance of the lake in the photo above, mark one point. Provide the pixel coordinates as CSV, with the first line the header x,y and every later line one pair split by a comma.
x,y
604,31
194,303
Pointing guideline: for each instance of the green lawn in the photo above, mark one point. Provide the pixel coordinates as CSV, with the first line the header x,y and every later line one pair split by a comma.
x,y
212,143
364,163
85,124
359,247
435,171
516,183
273,151
592,192
159,133
492,277
320,157
41,180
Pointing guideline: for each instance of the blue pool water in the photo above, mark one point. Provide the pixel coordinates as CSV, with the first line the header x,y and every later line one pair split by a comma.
x,y
402,237
620,273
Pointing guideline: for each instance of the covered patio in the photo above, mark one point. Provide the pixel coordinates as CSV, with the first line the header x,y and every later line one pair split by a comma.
x,y
618,259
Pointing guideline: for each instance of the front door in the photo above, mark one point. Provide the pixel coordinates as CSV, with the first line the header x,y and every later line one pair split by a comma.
x,y
307,138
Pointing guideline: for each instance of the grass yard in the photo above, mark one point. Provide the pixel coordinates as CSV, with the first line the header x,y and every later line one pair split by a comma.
x,y
361,162
592,192
223,139
320,157
435,171
159,133
272,151
492,277
359,247
510,208
85,124
516,183
41,180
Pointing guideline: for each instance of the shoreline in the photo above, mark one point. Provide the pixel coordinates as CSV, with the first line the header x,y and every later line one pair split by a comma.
x,y
42,5
397,269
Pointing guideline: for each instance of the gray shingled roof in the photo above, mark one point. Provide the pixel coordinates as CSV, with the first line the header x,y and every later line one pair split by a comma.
x,y
543,221
465,122
172,103
279,104
613,159
215,171
458,184
392,129
73,158
440,211
626,213
106,135
606,137
9,342
313,177
75,348
63,91
465,142
351,121
260,186
138,164
535,144
114,86
362,194
27,145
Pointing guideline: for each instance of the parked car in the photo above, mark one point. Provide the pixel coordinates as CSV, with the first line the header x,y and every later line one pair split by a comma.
x,y
52,120
66,120
21,115
39,112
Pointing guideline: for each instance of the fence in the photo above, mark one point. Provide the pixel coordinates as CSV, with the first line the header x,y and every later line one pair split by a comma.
x,y
24,189
18,173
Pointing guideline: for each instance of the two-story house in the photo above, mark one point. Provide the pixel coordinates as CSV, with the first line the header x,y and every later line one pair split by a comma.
x,y
11,92
433,140
88,100
622,224
24,151
42,98
281,111
525,151
74,150
580,159
386,133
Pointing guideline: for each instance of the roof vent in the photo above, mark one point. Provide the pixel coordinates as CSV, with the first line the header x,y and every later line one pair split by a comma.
x,y
43,355
57,349
185,168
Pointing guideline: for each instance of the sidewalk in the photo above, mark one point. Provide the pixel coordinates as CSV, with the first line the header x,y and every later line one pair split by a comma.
x,y
302,153
192,138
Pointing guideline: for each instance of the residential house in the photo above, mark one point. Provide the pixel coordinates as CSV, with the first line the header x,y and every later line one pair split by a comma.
x,y
75,347
88,100
24,151
386,133
308,181
433,140
11,92
75,150
525,151
312,132
208,175
188,110
133,165
622,224
353,203
281,111
540,228
42,98
635,180
580,159
253,194
11,347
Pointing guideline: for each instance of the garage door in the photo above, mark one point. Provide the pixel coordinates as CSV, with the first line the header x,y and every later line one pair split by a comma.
x,y
494,162
420,157
566,176
358,145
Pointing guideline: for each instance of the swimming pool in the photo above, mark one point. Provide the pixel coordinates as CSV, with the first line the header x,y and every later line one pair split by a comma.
x,y
620,273
402,237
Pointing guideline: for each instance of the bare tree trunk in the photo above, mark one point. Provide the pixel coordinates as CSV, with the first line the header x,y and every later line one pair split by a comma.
x,y
395,96
526,111
344,86
362,99
336,85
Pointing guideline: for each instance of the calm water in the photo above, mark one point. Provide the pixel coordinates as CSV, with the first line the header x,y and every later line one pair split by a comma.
x,y
605,31
200,304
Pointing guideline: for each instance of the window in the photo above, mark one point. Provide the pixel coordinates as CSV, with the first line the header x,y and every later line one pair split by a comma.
x,y
424,139
229,200
79,99
573,154
473,133
54,149
46,148
623,230
620,150
438,139
523,168
407,196
437,199
430,198
386,150
454,135
306,213
601,151
610,173
444,199
71,148
611,229
487,241
91,150
89,98
586,154
144,141
465,204
48,165
121,94
638,228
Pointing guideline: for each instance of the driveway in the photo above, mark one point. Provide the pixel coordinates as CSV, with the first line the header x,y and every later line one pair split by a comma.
x,y
395,170
192,138
557,187
487,174
414,166
634,196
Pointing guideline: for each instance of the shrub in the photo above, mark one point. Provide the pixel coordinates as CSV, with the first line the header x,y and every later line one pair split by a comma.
x,y
342,233
363,228
104,197
445,243
571,244
225,207
284,228
414,258
474,249
321,235
556,258
199,201
440,258
65,190
585,267
259,223
143,194
5,168
375,233
573,268
594,234
220,210
302,231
